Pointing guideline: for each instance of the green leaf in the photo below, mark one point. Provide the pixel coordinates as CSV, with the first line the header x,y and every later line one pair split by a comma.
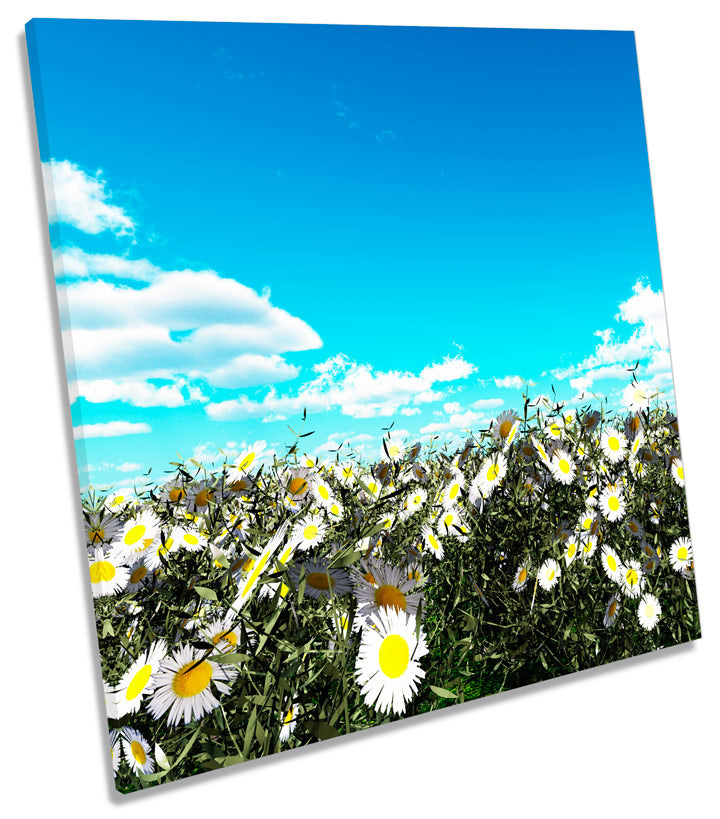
x,y
443,692
322,729
230,657
206,594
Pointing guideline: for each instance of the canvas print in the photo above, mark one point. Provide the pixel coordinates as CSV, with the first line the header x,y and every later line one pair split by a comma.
x,y
368,370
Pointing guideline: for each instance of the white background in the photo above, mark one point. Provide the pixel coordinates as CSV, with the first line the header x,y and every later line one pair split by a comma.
x,y
639,737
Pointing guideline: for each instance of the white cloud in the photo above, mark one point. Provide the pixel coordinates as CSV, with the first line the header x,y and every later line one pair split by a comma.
x,y
184,322
358,390
614,357
646,308
110,429
451,406
129,467
74,262
135,393
251,369
487,403
509,382
410,411
458,420
81,200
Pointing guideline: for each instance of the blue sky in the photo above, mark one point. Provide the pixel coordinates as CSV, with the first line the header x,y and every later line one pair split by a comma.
x,y
382,224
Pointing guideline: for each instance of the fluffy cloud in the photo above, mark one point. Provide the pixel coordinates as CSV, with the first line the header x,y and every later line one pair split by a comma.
x,y
76,263
357,390
614,356
509,382
487,403
182,322
248,370
81,200
135,393
111,429
456,421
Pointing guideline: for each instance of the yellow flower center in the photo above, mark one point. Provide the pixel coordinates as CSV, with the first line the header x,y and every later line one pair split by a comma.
x,y
454,489
613,503
505,428
247,460
323,492
176,494
631,576
612,563
682,553
97,534
138,682
493,472
189,681
681,473
137,750
228,636
390,596
133,535
394,656
297,485
191,539
138,574
613,443
310,532
613,607
320,580
564,466
203,497
102,571
522,576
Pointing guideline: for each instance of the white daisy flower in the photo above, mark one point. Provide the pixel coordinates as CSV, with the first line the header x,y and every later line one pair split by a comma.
x,y
521,577
562,467
387,667
393,448
549,574
678,473
634,526
389,587
491,473
414,501
137,752
432,541
108,575
200,495
320,579
612,610
614,445
632,579
289,721
246,460
137,536
637,396
115,750
345,473
649,611
138,681
309,532
681,554
184,686
612,503
611,563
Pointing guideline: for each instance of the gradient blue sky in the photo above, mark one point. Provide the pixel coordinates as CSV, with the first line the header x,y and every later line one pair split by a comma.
x,y
410,194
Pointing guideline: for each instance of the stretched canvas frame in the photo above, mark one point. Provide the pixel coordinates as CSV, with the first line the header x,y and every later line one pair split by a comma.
x,y
419,445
